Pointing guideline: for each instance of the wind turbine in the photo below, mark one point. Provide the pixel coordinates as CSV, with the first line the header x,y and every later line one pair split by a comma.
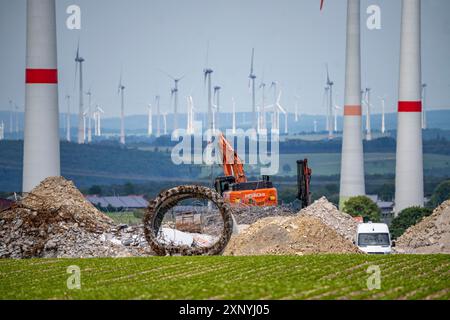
x,y
2,130
352,182
424,106
330,104
158,116
217,106
89,116
190,115
150,120
165,122
17,121
11,116
252,78
277,109
368,115
120,91
68,119
79,62
262,125
207,71
383,112
174,95
233,102
297,102
98,121
336,108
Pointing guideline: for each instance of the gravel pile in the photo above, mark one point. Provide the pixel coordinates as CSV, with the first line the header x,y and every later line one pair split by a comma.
x,y
341,222
297,235
54,220
431,235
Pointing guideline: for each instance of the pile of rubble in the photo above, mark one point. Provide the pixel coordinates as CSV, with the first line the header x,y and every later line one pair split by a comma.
x,y
54,220
297,235
320,228
341,222
431,235
251,214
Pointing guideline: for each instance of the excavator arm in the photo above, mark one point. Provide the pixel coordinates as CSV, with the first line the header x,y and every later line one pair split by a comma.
x,y
232,164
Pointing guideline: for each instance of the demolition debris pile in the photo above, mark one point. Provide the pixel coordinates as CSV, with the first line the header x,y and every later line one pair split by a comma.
x,y
54,220
431,235
341,222
320,228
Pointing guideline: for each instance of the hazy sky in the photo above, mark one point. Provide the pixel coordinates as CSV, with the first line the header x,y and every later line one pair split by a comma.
x,y
292,38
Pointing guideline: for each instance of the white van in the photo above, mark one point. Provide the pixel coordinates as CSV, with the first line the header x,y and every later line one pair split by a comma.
x,y
374,238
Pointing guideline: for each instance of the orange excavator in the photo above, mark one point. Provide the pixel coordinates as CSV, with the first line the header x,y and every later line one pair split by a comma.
x,y
234,186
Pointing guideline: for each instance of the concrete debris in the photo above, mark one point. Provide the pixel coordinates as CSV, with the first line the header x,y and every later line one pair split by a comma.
x,y
431,235
54,220
297,235
343,223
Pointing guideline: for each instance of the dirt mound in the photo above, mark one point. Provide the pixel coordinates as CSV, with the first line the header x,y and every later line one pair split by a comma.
x,y
297,235
431,235
325,211
54,220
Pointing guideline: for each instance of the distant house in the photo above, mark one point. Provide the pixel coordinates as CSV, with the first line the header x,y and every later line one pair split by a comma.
x,y
119,203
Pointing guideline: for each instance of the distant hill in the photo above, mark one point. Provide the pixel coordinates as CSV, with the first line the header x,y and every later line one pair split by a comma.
x,y
96,164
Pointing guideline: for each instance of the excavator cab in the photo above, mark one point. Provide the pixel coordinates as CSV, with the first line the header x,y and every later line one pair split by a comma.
x,y
223,184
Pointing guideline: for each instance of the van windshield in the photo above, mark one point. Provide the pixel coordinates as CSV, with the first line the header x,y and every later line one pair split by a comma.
x,y
373,239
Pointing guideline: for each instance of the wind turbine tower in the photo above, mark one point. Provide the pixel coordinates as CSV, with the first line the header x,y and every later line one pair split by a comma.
x,y
424,106
41,154
330,105
233,102
352,164
368,115
217,105
150,120
158,116
89,117
252,78
409,187
68,125
207,78
79,61
121,90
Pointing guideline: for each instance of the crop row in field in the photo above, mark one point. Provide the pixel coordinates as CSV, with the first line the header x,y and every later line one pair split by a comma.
x,y
265,277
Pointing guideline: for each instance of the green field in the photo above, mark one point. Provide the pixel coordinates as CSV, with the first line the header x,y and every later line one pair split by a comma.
x,y
328,164
265,277
325,164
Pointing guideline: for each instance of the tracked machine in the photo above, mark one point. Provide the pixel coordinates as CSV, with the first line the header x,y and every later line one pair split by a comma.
x,y
234,186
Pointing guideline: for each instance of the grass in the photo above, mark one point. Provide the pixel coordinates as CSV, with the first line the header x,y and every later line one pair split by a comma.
x,y
265,277
124,218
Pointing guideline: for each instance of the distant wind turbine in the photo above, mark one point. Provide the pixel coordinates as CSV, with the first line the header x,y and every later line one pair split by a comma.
x,y
120,91
68,115
252,78
149,120
158,116
79,62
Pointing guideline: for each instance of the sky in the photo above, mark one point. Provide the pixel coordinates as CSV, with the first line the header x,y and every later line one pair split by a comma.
x,y
293,42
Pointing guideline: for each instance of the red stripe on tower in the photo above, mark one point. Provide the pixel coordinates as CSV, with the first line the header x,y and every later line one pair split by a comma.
x,y
410,106
44,76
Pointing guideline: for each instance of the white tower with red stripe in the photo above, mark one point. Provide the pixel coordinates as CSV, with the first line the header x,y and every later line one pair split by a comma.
x,y
41,141
352,164
409,170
